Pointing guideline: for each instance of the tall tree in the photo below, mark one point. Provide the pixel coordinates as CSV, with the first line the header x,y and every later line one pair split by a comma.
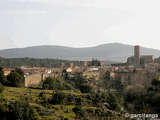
x,y
2,76
1,88
92,62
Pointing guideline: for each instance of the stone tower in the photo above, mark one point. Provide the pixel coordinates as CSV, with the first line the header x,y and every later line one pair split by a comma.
x,y
83,63
137,56
62,65
71,64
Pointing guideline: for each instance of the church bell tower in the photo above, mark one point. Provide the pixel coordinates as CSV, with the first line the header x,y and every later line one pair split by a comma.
x,y
137,56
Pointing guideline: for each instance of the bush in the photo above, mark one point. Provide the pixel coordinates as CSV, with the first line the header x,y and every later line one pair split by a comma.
x,y
133,92
134,96
19,110
114,102
78,110
52,84
59,98
85,88
22,110
154,81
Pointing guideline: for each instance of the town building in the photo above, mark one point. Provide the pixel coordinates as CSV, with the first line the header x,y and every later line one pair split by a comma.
x,y
139,60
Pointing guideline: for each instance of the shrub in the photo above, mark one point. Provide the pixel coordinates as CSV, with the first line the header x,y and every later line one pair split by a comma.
x,y
134,96
59,98
133,92
52,84
85,88
154,81
78,110
22,110
114,102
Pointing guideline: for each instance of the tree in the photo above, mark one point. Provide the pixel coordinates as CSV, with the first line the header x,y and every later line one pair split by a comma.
x,y
14,79
154,81
134,96
48,83
132,92
95,62
1,88
19,71
64,71
98,63
114,102
1,68
2,76
92,62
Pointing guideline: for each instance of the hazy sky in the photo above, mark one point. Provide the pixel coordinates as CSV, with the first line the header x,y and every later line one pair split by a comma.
x,y
79,23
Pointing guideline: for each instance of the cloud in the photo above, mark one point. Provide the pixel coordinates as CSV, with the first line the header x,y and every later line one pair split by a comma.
x,y
112,4
135,5
23,12
143,29
75,3
6,41
83,22
86,29
27,35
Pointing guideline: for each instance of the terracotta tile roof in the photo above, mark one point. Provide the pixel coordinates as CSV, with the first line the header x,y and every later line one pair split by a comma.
x,y
7,69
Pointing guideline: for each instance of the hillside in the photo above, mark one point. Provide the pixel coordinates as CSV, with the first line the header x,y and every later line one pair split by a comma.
x,y
38,104
113,52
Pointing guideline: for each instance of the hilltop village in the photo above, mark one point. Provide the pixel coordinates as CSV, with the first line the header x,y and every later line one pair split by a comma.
x,y
137,66
90,90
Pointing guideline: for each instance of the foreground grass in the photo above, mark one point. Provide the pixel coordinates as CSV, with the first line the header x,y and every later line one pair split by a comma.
x,y
44,110
12,94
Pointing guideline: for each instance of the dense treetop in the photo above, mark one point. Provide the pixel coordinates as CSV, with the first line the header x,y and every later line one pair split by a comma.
x,y
33,62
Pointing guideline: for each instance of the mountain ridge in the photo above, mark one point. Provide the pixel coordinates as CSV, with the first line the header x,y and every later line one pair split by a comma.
x,y
111,51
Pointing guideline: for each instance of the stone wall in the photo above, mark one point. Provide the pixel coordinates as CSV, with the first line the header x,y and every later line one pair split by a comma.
x,y
35,79
93,74
157,60
133,79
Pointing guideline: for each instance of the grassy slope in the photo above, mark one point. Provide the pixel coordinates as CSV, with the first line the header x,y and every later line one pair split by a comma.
x,y
12,94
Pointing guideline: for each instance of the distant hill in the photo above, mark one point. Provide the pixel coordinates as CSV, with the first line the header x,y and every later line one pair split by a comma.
x,y
113,52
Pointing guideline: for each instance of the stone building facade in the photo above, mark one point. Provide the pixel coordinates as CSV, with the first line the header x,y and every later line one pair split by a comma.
x,y
139,60
83,63
35,79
